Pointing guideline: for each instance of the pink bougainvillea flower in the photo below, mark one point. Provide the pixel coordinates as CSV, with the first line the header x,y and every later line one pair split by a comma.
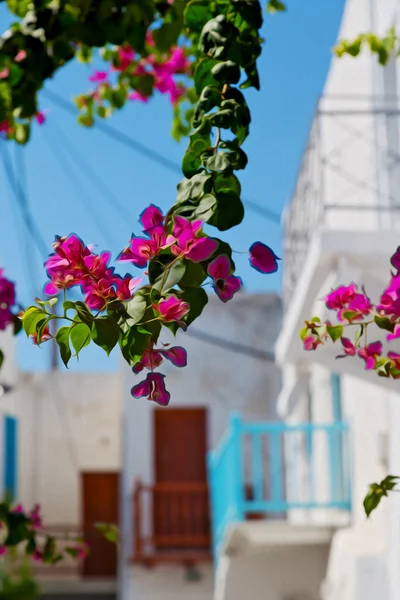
x,y
72,248
187,242
138,96
99,293
153,387
172,309
61,280
18,509
35,517
311,342
178,61
177,355
395,334
370,353
99,76
340,297
37,555
125,286
395,358
390,299
125,55
3,550
348,347
7,290
45,337
5,127
20,56
40,117
141,250
6,317
151,217
358,308
225,285
4,73
153,358
395,259
263,258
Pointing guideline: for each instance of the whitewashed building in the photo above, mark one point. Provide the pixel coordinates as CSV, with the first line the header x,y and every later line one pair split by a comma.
x,y
311,540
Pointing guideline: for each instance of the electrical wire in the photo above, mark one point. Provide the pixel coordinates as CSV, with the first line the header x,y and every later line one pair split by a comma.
x,y
230,346
75,182
144,150
78,159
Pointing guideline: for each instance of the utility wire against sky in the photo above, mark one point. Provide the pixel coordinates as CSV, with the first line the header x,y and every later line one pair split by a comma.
x,y
82,195
151,154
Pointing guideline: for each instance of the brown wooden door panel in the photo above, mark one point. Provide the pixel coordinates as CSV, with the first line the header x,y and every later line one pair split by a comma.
x,y
180,517
100,492
180,444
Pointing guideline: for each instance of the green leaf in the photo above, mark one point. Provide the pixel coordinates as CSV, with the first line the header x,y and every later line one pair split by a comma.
x,y
166,35
67,305
1,357
136,307
274,6
197,299
196,15
335,332
19,7
194,188
218,162
229,212
194,275
109,531
17,324
173,276
105,333
303,333
250,12
191,163
372,499
358,335
83,313
206,208
384,323
80,336
225,182
22,133
203,75
62,339
31,317
226,72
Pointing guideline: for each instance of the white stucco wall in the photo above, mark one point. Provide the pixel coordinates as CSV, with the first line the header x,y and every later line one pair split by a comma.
x,y
68,423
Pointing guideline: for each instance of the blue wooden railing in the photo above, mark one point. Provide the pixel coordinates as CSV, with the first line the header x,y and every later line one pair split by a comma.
x,y
275,468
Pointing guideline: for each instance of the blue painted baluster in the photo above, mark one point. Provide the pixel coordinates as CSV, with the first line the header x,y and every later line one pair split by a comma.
x,y
213,491
237,466
311,464
332,466
276,468
257,467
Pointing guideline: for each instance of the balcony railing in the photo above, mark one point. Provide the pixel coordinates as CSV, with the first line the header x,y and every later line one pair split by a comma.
x,y
171,523
288,467
349,177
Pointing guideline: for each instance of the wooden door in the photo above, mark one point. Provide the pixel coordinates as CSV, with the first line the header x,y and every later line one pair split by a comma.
x,y
180,504
100,492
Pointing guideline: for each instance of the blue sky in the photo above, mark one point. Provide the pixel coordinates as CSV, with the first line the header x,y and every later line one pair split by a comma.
x,y
293,67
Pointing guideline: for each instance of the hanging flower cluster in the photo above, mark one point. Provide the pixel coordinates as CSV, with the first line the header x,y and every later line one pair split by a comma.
x,y
179,258
7,301
21,528
356,313
132,76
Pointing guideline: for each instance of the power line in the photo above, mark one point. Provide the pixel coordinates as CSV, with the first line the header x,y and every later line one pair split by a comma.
x,y
86,169
230,346
22,201
152,154
79,188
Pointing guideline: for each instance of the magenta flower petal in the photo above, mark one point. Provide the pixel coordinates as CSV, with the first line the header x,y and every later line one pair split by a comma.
x,y
50,289
99,77
172,309
263,258
142,389
395,334
151,217
395,260
219,268
348,347
158,392
177,355
226,289
202,249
